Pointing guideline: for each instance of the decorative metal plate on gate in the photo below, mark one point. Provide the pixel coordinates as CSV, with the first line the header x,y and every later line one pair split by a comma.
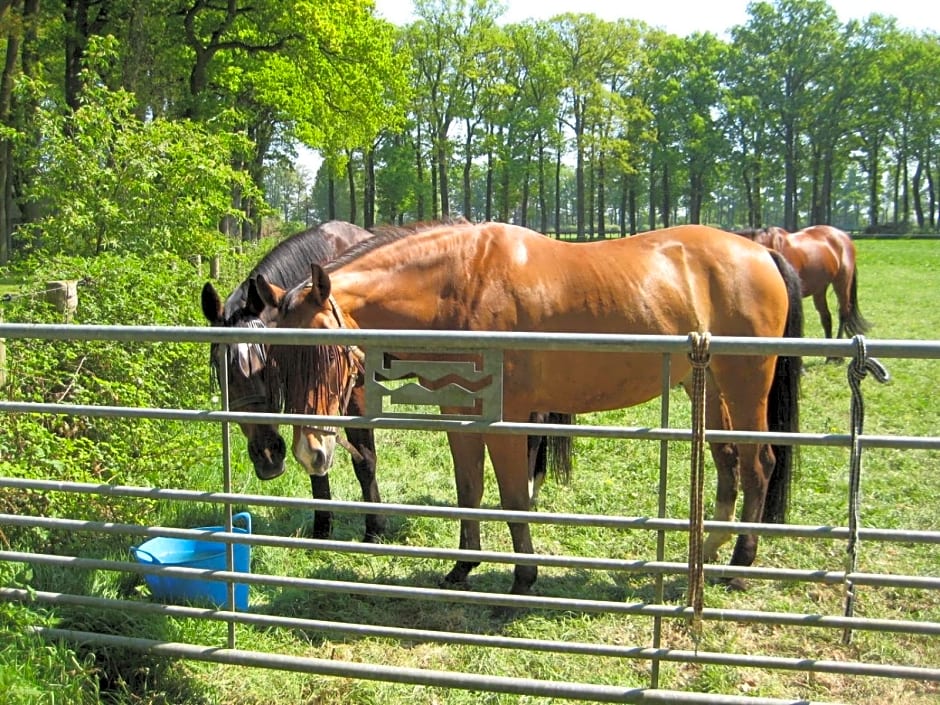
x,y
419,383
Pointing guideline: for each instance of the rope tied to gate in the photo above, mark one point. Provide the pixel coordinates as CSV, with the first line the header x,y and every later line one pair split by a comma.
x,y
699,357
858,369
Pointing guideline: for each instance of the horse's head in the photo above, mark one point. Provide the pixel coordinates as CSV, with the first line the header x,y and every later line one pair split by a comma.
x,y
245,365
313,379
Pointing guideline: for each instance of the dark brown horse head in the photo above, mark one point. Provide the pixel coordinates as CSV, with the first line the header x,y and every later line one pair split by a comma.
x,y
246,370
325,374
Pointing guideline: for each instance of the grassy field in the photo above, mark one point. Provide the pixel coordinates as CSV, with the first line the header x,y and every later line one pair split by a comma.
x,y
898,286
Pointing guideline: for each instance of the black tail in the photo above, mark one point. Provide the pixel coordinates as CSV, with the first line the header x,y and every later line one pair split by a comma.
x,y
854,323
783,404
551,452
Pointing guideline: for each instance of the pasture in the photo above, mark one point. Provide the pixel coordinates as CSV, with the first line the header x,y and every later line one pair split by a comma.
x,y
897,290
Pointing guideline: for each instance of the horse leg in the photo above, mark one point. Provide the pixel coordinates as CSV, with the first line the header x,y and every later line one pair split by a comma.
x,y
731,403
322,520
725,457
362,442
822,307
467,452
757,461
508,455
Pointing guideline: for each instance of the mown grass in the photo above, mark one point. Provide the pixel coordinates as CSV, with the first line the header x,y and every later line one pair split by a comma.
x,y
900,489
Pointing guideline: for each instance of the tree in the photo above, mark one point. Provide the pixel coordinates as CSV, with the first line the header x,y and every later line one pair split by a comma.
x,y
110,182
789,45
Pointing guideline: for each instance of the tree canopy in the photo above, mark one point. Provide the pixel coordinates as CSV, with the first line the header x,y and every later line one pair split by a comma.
x,y
173,124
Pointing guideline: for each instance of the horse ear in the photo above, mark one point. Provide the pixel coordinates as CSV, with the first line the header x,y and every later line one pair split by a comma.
x,y
211,304
254,304
320,281
269,294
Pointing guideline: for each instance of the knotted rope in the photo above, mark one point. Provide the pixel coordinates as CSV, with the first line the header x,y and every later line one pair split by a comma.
x,y
860,366
699,357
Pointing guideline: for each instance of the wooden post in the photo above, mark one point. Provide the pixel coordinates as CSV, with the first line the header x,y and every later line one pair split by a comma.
x,y
3,359
214,266
63,294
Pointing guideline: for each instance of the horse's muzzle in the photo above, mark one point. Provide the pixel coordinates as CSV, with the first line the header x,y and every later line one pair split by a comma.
x,y
267,455
314,448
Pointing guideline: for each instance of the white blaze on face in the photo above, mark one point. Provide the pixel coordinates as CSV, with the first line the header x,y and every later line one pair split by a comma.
x,y
313,449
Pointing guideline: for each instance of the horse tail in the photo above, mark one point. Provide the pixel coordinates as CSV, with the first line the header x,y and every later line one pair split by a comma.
x,y
552,452
783,402
854,323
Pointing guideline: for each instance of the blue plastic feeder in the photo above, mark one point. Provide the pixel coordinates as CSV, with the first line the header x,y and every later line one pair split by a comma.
x,y
195,553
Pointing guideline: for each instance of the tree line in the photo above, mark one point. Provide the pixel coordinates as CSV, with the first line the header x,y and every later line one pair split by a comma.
x,y
172,124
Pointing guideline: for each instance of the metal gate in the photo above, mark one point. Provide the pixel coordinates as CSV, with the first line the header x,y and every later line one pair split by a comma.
x,y
659,611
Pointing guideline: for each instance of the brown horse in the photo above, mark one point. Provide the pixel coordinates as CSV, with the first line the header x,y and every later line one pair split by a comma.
x,y
286,264
822,256
498,277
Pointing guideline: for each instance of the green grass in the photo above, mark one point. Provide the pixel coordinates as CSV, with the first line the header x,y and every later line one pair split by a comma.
x,y
898,287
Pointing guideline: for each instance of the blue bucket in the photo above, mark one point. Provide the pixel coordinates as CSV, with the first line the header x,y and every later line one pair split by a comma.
x,y
195,553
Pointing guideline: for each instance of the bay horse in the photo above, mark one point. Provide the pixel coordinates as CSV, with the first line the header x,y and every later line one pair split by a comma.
x,y
287,264
500,277
822,256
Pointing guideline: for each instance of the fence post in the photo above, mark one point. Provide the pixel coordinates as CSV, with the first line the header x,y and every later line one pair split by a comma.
x,y
63,294
215,265
3,359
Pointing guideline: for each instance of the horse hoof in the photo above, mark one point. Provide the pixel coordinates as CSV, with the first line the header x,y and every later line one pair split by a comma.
x,y
736,585
322,529
447,583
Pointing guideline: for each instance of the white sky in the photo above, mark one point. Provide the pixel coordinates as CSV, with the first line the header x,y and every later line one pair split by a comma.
x,y
682,17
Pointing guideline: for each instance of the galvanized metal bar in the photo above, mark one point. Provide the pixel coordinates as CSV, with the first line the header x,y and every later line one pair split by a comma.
x,y
480,598
412,676
482,640
501,515
458,340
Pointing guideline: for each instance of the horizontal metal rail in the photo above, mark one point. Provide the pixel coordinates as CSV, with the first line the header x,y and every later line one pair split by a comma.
x,y
480,598
482,640
391,509
412,676
485,340
470,426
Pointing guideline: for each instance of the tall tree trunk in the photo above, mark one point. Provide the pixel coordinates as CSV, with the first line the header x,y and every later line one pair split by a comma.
x,y
330,196
419,174
666,194
351,182
368,196
558,193
600,185
467,173
542,197
14,42
789,170
442,174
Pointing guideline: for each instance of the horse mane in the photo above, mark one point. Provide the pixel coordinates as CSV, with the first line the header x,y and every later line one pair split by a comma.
x,y
386,234
772,237
289,261
750,233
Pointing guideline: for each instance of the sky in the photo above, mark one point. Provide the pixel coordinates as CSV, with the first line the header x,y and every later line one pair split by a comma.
x,y
682,17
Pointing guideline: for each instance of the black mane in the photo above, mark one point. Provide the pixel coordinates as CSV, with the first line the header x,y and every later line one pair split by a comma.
x,y
287,263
